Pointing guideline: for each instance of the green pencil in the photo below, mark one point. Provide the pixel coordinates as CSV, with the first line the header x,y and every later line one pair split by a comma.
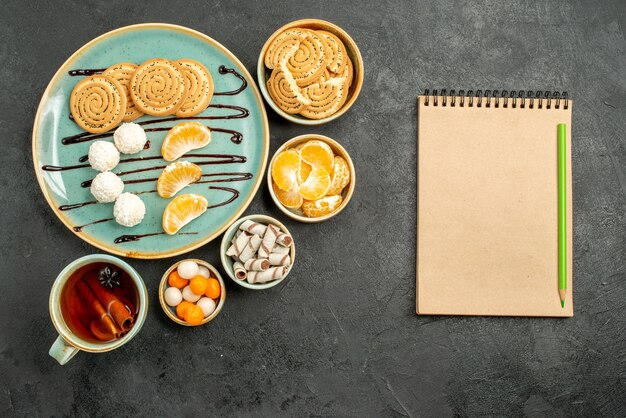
x,y
562,213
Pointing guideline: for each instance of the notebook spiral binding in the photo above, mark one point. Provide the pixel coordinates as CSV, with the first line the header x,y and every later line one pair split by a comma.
x,y
516,98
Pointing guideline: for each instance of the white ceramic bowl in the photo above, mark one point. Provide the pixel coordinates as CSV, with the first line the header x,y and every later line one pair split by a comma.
x,y
171,311
227,261
347,192
263,73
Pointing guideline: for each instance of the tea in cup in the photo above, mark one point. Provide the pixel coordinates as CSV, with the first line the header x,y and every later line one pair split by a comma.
x,y
97,304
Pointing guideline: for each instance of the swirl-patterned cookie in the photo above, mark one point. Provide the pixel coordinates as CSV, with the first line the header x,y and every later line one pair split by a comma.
x,y
158,87
283,46
98,104
122,73
285,93
309,61
198,85
335,50
326,98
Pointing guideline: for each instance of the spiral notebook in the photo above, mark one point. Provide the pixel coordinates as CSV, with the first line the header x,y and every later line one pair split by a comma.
x,y
487,217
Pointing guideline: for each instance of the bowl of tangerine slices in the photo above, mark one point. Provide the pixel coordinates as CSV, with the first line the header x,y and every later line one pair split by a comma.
x,y
311,178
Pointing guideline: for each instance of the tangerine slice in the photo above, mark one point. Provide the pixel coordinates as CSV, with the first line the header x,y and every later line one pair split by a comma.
x,y
303,172
176,176
290,199
316,185
182,210
318,154
183,138
340,177
321,207
284,169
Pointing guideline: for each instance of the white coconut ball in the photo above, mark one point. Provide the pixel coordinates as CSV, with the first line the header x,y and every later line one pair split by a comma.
x,y
207,305
106,187
129,209
188,269
189,296
173,296
103,156
129,138
204,272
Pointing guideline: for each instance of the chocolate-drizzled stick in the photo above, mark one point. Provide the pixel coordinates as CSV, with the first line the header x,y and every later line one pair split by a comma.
x,y
284,239
269,239
279,249
250,249
253,228
240,271
279,259
239,245
268,275
257,264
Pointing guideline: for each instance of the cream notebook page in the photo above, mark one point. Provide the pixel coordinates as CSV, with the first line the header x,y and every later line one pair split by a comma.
x,y
487,208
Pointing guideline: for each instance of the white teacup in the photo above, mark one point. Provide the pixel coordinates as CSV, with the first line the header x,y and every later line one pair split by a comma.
x,y
68,343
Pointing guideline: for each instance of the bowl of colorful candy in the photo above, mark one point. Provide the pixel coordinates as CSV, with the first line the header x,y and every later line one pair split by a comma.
x,y
192,292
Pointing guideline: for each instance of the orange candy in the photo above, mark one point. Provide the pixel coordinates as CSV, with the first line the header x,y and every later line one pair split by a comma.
x,y
194,315
198,285
182,308
175,280
213,289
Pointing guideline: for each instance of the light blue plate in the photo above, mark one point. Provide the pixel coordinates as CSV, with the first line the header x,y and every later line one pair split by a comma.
x,y
136,44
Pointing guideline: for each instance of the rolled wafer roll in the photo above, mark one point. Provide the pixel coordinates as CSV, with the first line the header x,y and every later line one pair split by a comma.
x,y
309,61
251,248
276,259
284,239
253,227
158,87
98,103
284,91
234,238
239,245
326,97
122,73
239,270
273,273
283,46
269,239
198,86
336,51
257,264
279,249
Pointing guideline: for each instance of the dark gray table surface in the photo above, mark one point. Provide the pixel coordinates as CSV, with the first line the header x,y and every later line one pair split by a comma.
x,y
340,337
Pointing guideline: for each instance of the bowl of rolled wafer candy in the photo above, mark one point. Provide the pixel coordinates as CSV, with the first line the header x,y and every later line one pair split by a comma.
x,y
310,71
257,252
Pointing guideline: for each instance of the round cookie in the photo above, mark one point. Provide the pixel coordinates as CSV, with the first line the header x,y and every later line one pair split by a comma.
x,y
122,73
283,46
309,61
326,98
285,93
98,104
335,50
158,87
198,85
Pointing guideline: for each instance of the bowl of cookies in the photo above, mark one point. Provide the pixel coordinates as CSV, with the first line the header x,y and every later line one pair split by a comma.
x,y
310,71
311,178
257,252
192,292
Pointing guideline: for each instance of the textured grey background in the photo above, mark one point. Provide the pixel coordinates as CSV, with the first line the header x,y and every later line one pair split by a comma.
x,y
340,337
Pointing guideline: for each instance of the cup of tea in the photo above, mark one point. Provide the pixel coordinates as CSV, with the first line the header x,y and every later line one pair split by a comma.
x,y
97,304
